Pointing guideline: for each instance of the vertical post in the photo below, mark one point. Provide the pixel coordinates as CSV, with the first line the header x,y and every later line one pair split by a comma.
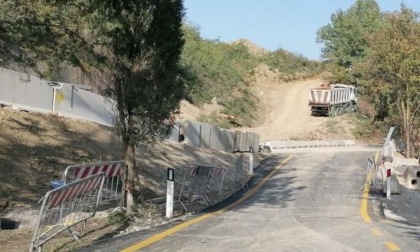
x,y
54,95
388,182
251,161
170,194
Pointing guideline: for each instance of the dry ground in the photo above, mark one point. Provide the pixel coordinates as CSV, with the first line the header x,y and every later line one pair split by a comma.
x,y
35,148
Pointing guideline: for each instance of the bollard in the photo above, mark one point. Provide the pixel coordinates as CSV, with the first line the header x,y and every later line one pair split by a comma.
x,y
170,194
251,161
388,183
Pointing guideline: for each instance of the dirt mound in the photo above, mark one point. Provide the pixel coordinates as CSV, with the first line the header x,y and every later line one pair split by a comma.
x,y
252,47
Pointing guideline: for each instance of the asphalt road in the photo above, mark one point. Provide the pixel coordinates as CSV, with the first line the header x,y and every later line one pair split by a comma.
x,y
312,202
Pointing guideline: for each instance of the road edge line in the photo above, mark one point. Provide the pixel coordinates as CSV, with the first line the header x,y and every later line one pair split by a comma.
x,y
365,195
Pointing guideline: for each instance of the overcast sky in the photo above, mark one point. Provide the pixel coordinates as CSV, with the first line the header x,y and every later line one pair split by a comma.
x,y
272,24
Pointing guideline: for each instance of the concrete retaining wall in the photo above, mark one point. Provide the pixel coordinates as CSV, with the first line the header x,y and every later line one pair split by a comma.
x,y
25,92
207,136
31,93
78,103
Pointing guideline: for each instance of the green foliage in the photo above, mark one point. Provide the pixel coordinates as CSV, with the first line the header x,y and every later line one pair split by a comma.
x,y
345,41
117,217
331,125
216,69
297,66
391,70
144,42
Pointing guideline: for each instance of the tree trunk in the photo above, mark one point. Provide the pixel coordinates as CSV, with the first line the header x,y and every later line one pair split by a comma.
x,y
130,176
408,144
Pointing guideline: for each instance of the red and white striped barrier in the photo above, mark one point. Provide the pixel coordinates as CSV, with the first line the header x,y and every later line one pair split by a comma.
x,y
65,207
69,193
110,170
114,174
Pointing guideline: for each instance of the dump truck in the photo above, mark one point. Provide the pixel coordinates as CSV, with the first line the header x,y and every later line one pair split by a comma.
x,y
334,100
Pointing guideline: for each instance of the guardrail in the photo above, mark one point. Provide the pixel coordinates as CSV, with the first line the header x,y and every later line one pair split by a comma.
x,y
272,145
65,207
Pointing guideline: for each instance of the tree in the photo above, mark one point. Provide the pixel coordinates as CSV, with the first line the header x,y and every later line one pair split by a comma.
x,y
138,42
143,42
392,67
344,38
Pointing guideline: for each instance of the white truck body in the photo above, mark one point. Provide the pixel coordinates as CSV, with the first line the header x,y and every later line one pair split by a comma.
x,y
333,100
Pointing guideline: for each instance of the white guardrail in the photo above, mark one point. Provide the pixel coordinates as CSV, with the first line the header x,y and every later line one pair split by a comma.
x,y
273,145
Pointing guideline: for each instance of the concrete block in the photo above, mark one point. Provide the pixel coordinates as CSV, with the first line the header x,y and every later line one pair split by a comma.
x,y
395,186
250,140
244,142
231,141
215,137
256,142
205,135
223,141
349,143
237,141
174,136
409,176
192,134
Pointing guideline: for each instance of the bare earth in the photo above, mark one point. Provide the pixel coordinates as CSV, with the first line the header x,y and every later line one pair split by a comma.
x,y
35,148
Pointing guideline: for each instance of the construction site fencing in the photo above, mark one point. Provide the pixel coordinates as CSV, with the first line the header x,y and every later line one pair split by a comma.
x,y
65,207
374,179
201,183
113,185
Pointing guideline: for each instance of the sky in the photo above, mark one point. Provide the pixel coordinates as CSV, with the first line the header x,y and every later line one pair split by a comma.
x,y
273,24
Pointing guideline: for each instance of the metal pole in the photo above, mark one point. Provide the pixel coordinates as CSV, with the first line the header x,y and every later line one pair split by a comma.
x,y
170,194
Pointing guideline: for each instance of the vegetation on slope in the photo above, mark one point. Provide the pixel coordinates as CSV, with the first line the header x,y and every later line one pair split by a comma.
x,y
379,53
216,69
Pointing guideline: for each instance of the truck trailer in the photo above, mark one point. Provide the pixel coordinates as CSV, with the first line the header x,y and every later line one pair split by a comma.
x,y
332,101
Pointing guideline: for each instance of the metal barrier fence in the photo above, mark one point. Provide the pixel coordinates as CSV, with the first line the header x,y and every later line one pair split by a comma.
x,y
113,185
65,207
387,150
201,182
372,181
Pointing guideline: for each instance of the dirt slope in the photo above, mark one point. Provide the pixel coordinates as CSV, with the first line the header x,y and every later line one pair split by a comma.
x,y
287,110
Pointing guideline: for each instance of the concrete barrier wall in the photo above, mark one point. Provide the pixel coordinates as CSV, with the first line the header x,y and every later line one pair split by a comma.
x,y
215,137
25,92
205,135
82,104
31,93
208,136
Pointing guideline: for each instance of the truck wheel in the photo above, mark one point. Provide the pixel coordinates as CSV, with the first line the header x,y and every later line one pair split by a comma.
x,y
332,112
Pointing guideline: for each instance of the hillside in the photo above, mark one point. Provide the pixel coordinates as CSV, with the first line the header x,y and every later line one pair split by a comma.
x,y
35,148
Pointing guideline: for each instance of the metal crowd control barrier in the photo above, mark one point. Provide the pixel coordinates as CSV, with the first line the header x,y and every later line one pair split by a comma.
x,y
113,185
372,171
65,207
200,182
